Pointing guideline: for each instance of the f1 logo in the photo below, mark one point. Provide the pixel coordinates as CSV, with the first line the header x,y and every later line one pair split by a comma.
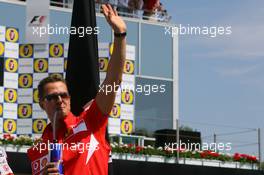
x,y
37,20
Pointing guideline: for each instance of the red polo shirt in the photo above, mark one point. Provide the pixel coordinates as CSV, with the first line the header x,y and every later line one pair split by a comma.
x,y
85,150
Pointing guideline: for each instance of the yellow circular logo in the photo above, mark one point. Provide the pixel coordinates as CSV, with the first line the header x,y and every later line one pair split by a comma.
x,y
35,96
111,48
126,126
10,95
127,96
25,80
40,65
24,111
11,65
12,35
56,50
10,126
56,74
1,109
103,64
65,64
129,67
39,125
2,49
116,110
26,51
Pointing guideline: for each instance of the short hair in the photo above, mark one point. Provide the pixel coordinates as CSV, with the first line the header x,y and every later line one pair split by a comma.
x,y
50,79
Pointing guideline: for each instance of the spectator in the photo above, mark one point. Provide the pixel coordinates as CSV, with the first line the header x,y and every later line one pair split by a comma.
x,y
162,14
123,3
122,7
134,6
149,8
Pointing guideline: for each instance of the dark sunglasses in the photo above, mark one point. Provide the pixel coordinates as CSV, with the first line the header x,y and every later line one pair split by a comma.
x,y
56,96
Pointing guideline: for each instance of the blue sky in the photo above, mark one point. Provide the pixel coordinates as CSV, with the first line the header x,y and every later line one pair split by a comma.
x,y
221,79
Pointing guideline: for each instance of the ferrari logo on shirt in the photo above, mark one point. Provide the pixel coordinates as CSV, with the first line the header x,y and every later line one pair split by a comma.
x,y
92,148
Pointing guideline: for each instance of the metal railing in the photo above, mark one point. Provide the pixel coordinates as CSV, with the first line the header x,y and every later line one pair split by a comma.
x,y
134,139
126,12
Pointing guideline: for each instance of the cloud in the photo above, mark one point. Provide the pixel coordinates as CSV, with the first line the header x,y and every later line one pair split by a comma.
x,y
238,71
245,42
250,76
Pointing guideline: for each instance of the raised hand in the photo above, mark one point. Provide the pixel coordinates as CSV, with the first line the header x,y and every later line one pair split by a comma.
x,y
115,21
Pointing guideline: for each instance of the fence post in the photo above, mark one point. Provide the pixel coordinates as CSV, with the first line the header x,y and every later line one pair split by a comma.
x,y
178,141
259,148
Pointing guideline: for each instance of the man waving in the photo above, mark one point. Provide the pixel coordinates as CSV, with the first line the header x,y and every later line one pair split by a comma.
x,y
84,148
